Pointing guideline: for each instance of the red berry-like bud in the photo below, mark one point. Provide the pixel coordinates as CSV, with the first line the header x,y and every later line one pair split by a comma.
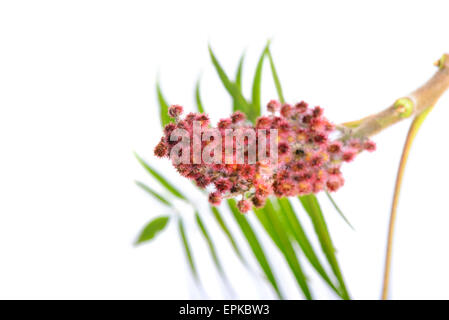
x,y
263,189
369,146
246,171
190,117
161,150
334,147
349,155
258,201
334,171
287,110
263,123
283,148
316,161
307,119
168,129
334,183
320,139
301,107
224,124
355,143
223,185
215,198
298,166
202,181
237,117
317,112
175,111
203,118
244,206
273,106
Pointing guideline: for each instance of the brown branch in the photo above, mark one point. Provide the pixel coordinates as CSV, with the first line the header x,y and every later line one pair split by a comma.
x,y
415,103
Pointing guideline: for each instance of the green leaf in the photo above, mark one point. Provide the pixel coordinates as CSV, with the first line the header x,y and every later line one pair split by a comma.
x,y
160,178
239,101
187,250
199,104
276,80
152,229
271,217
312,207
228,234
266,224
292,223
210,244
339,211
257,86
255,245
153,193
238,76
163,106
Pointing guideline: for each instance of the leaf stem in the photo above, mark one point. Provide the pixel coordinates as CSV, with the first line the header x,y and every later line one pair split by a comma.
x,y
414,127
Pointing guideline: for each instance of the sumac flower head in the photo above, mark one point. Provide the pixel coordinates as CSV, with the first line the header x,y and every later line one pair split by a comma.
x,y
289,152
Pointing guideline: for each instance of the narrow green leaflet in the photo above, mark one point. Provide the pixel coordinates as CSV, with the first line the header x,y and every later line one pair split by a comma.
x,y
276,80
152,229
285,246
227,232
153,193
338,210
239,101
292,223
266,224
238,76
255,245
163,106
160,178
199,104
210,244
257,86
312,207
187,249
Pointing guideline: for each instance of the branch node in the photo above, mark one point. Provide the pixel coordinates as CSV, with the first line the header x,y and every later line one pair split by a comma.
x,y
404,107
443,62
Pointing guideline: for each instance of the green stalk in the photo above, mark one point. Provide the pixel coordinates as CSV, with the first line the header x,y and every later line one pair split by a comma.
x,y
414,127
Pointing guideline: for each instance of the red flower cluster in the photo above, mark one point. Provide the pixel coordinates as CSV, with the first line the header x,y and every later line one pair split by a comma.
x,y
308,161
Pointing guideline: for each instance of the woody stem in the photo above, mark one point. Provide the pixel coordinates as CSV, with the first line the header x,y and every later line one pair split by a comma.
x,y
415,103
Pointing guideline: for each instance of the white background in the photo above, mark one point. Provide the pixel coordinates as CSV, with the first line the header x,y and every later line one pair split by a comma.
x,y
77,98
